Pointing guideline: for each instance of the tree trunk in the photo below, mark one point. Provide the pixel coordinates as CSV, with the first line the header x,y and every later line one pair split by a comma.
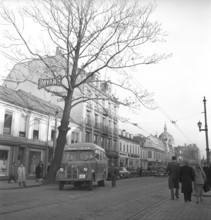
x,y
60,143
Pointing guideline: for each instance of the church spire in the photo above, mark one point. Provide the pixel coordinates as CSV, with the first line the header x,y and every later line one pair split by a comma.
x,y
165,128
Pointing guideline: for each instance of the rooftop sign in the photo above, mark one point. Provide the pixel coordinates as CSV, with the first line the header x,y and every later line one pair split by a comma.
x,y
49,82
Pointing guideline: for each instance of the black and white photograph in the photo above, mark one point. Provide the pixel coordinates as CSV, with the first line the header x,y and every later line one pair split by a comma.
x,y
105,109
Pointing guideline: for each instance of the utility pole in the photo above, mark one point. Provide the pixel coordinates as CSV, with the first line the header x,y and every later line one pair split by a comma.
x,y
206,131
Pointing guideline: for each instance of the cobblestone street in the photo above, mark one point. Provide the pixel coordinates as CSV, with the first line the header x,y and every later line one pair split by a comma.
x,y
136,198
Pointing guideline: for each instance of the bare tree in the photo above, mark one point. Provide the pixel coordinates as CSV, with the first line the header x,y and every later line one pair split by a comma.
x,y
92,36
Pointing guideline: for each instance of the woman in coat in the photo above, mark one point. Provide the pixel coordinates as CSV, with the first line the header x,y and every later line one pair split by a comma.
x,y
186,177
22,175
199,180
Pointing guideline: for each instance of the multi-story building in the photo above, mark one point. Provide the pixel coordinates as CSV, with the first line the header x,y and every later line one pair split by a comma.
x,y
98,118
156,151
143,150
129,150
27,130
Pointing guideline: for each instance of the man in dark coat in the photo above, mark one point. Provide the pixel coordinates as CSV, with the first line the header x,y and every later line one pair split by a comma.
x,y
113,172
38,171
173,179
186,178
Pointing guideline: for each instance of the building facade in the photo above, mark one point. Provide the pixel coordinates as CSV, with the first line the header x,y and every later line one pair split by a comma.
x,y
129,151
98,118
27,129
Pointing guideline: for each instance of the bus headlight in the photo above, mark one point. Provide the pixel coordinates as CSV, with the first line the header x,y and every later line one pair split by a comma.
x,y
85,169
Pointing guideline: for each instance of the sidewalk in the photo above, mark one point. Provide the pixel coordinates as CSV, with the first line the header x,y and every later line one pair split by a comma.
x,y
4,185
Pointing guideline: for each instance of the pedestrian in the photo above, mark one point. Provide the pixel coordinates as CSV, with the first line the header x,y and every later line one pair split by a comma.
x,y
186,178
172,170
141,172
22,175
113,173
13,173
199,180
39,172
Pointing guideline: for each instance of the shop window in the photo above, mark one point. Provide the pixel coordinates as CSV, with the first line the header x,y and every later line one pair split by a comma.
x,y
36,129
22,132
52,133
3,162
34,158
7,122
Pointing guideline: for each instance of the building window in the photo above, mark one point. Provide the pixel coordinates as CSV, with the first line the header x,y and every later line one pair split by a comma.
x,y
95,138
88,137
22,132
149,154
96,120
88,117
7,122
36,129
74,137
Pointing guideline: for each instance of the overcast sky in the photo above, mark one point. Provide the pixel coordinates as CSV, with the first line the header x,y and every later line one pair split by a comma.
x,y
179,83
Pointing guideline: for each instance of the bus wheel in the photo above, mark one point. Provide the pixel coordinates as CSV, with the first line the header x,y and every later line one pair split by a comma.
x,y
61,185
90,185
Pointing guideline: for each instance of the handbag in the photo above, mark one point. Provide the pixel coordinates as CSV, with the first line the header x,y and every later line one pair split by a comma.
x,y
206,187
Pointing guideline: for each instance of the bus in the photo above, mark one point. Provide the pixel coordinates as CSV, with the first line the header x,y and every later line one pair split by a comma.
x,y
83,163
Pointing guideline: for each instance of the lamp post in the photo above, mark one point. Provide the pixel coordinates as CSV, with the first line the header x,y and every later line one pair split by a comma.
x,y
206,131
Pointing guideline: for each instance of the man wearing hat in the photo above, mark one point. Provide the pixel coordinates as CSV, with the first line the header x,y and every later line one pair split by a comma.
x,y
173,179
186,178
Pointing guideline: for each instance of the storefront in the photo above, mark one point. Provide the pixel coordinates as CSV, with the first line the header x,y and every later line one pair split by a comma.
x,y
19,150
5,152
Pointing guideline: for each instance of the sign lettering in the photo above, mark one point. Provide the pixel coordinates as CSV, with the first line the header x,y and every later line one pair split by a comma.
x,y
49,82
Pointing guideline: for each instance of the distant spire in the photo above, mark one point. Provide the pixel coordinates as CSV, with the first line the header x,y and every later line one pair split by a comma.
x,y
165,128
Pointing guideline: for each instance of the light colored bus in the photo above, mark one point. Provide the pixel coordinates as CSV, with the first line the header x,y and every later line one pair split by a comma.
x,y
83,163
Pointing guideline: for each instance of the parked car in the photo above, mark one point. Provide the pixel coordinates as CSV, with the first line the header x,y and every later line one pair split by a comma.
x,y
161,172
124,173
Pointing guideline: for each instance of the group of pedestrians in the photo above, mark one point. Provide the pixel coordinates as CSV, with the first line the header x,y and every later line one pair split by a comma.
x,y
187,176
18,174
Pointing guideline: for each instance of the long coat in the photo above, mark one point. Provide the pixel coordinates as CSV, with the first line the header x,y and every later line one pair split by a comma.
x,y
186,178
38,171
173,169
21,174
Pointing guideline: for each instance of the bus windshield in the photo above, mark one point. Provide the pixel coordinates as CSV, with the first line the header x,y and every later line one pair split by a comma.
x,y
76,155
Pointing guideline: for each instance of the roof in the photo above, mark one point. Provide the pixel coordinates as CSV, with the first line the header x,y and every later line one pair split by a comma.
x,y
29,101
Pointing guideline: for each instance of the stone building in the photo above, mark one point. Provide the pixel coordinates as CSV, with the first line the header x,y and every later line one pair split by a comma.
x,y
98,118
27,129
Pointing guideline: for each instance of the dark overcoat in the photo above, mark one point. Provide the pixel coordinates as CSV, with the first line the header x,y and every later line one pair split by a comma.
x,y
173,169
38,171
186,178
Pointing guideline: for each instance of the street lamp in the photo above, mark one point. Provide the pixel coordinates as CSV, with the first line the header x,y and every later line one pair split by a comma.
x,y
206,130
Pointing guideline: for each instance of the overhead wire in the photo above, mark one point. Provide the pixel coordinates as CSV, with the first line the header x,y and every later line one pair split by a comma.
x,y
174,122
154,104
